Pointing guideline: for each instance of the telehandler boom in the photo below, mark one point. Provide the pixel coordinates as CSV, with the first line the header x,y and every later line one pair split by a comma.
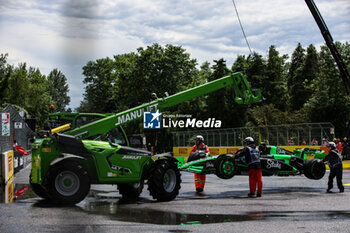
x,y
244,95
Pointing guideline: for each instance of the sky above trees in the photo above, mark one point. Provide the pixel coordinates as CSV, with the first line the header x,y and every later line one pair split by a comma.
x,y
67,34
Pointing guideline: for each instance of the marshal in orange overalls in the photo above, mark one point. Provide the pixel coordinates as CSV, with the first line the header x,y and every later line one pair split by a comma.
x,y
199,179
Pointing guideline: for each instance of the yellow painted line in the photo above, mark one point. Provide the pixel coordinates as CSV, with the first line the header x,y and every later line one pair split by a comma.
x,y
346,184
345,166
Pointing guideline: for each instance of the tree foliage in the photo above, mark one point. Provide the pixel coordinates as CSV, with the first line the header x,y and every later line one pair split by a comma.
x,y
274,86
129,79
295,79
328,101
216,104
27,88
58,89
305,88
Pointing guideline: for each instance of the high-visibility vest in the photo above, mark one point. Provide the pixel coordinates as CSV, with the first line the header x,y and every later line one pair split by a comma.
x,y
254,155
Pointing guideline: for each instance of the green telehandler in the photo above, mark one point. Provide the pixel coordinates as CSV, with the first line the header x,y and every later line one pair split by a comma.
x,y
68,161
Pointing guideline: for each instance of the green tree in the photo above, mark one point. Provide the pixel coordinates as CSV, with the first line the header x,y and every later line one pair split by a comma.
x,y
38,97
197,107
29,89
240,64
345,53
99,80
18,86
329,101
270,115
162,69
5,72
58,90
256,69
275,83
216,102
295,79
128,80
204,73
310,70
169,69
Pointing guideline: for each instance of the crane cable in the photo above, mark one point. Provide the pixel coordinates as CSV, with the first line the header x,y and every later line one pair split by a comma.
x,y
239,20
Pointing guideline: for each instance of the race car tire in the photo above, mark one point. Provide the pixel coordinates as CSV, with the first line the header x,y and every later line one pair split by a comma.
x,y
38,189
131,190
164,180
314,169
69,183
225,167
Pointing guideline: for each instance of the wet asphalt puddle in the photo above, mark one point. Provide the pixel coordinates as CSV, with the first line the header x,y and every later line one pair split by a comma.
x,y
111,205
122,212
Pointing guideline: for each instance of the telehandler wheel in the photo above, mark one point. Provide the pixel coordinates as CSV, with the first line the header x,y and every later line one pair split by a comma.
x,y
164,181
314,169
69,183
38,189
225,167
131,190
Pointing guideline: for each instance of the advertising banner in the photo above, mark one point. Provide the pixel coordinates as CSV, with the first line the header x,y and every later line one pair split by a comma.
x,y
185,151
5,124
7,163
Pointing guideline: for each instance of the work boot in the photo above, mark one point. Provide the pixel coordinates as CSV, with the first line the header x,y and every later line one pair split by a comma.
x,y
199,190
329,191
341,191
251,195
258,195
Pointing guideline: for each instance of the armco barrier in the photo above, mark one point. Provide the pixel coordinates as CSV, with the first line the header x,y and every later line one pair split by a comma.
x,y
7,167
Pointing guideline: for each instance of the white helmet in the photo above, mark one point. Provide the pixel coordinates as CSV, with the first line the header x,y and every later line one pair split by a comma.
x,y
200,138
331,145
248,140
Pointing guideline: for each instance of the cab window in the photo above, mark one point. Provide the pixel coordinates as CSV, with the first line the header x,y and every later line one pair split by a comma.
x,y
83,120
114,136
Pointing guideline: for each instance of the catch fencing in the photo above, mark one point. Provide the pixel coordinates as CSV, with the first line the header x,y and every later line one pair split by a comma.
x,y
279,135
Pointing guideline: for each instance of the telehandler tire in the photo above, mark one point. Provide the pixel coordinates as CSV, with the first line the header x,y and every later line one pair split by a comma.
x,y
131,190
164,181
69,183
38,189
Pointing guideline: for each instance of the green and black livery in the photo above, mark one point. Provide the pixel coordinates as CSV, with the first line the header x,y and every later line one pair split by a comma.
x,y
226,166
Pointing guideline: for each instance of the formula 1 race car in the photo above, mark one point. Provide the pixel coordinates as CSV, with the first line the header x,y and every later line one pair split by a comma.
x,y
226,166
304,153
